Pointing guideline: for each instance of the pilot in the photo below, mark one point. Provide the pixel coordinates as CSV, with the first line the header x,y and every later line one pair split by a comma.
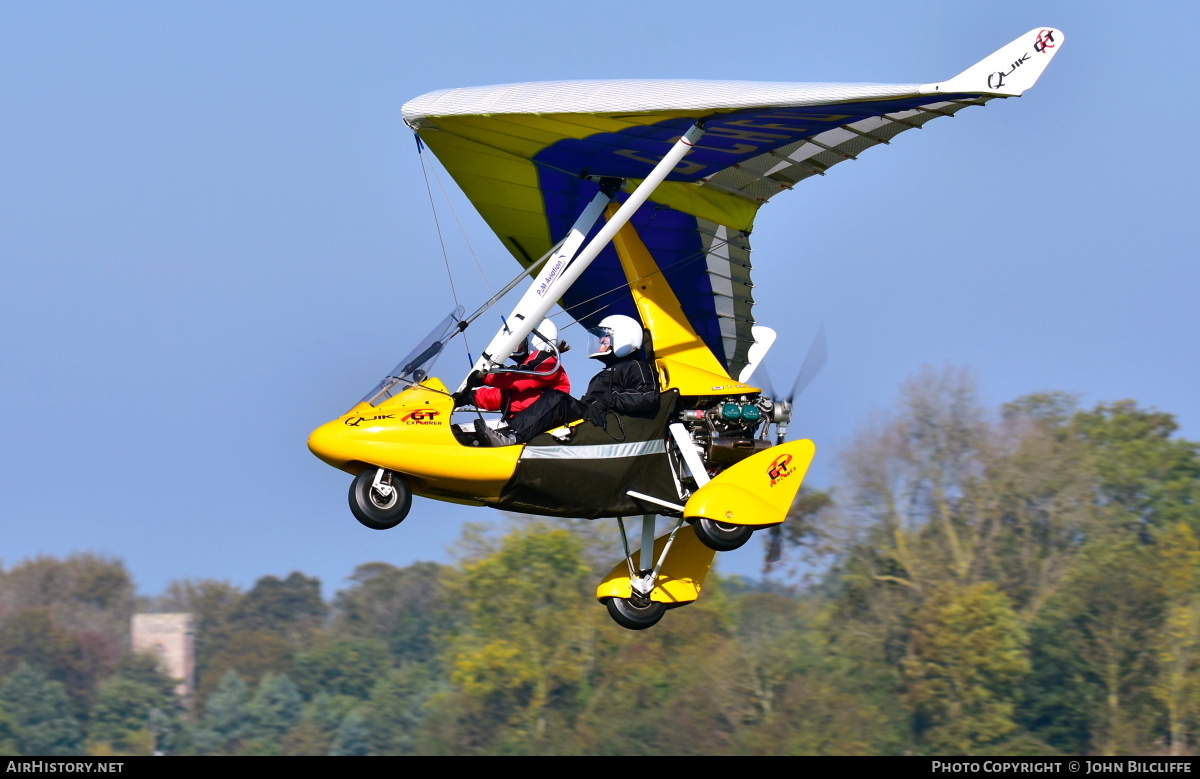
x,y
512,392
627,385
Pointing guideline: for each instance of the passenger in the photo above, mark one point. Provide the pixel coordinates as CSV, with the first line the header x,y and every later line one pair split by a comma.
x,y
627,385
511,392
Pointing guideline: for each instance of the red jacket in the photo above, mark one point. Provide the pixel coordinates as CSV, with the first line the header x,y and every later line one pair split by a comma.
x,y
522,389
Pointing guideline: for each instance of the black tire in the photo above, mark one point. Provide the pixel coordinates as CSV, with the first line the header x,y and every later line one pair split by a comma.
x,y
371,509
628,614
722,536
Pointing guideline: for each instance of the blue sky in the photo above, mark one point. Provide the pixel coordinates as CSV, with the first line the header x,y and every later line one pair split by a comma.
x,y
215,236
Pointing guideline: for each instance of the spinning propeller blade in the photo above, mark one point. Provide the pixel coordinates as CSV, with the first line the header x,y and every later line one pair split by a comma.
x,y
763,379
814,361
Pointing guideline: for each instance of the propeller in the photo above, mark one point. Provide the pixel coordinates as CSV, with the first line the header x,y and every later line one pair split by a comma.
x,y
781,415
814,361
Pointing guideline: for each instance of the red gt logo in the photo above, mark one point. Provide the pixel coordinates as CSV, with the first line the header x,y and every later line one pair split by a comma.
x,y
780,469
1044,42
421,417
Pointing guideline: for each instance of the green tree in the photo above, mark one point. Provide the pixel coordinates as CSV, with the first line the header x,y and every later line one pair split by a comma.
x,y
307,738
525,647
406,607
1177,643
253,653
8,732
291,608
1093,646
228,710
805,692
83,593
275,708
671,690
1149,478
396,711
804,528
328,711
30,637
41,714
969,656
1037,500
352,736
78,660
122,717
343,667
937,493
314,733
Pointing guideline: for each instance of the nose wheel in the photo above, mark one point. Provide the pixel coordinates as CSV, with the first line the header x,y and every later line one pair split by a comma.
x,y
380,499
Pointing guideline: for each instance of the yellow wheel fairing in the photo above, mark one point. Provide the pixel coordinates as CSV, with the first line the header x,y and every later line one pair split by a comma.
x,y
757,491
410,434
680,579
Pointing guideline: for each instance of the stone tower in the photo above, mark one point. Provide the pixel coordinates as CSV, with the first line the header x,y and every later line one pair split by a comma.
x,y
172,639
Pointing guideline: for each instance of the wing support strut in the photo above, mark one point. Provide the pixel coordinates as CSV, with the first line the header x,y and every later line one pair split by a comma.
x,y
565,267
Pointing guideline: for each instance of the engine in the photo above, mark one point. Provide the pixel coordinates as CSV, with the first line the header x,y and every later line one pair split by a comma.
x,y
727,430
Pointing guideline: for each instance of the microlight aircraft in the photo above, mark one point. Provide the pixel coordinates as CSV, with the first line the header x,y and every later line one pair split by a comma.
x,y
635,198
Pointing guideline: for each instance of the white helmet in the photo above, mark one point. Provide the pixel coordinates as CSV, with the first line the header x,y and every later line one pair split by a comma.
x,y
543,338
615,336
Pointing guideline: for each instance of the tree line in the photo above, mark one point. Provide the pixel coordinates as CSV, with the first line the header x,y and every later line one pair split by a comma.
x,y
1022,580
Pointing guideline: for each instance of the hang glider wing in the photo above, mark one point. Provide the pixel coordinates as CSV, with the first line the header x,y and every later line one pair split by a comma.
x,y
529,156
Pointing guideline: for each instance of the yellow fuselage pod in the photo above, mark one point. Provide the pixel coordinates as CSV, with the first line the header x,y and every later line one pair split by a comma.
x,y
410,434
680,579
757,491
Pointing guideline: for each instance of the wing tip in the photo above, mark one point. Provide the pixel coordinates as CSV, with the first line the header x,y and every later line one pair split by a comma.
x,y
1009,71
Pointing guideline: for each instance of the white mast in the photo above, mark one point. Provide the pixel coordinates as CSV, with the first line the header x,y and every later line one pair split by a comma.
x,y
560,272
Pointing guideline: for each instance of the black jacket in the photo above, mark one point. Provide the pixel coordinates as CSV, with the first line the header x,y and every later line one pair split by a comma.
x,y
627,385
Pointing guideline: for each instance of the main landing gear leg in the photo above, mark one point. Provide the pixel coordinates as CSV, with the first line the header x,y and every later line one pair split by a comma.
x,y
638,611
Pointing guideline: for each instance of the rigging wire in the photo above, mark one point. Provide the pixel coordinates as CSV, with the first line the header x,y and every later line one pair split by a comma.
x,y
681,263
442,240
461,229
437,224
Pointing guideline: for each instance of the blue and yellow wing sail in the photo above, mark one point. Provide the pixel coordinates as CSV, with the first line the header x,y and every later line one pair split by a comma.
x,y
529,156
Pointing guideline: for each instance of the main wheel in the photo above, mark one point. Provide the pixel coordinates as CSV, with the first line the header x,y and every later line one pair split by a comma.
x,y
722,536
380,510
630,614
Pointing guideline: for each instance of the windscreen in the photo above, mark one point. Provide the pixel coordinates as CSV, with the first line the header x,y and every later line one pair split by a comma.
x,y
415,367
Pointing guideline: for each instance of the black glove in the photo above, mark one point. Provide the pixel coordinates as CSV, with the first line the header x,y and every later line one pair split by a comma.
x,y
464,397
475,379
597,413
